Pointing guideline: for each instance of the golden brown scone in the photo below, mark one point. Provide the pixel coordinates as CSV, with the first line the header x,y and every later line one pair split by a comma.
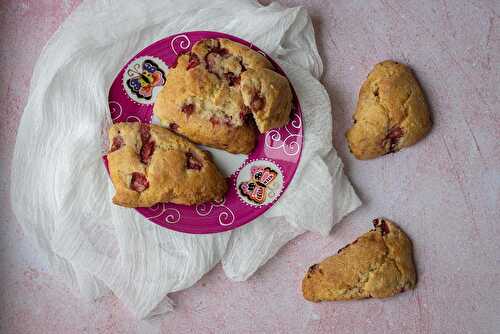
x,y
203,99
391,113
378,264
149,164
269,96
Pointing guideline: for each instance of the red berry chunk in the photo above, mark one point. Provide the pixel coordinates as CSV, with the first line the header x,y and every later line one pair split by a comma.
x,y
173,126
188,109
220,51
212,59
192,162
258,102
214,120
227,121
193,61
145,133
393,137
382,224
244,112
139,182
147,151
232,79
395,133
117,143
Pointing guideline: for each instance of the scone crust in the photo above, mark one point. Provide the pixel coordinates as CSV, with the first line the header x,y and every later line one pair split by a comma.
x,y
166,171
277,95
378,264
203,98
391,112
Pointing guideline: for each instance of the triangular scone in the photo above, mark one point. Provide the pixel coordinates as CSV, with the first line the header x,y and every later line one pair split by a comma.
x,y
269,96
204,99
149,164
391,112
378,264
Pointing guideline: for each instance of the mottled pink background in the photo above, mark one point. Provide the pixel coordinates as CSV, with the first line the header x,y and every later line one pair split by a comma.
x,y
444,191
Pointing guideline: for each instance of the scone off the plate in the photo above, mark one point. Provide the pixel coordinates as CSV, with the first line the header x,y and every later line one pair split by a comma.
x,y
149,165
220,93
378,264
391,112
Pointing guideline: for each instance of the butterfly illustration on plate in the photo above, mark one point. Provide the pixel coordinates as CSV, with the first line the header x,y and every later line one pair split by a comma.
x,y
144,77
262,179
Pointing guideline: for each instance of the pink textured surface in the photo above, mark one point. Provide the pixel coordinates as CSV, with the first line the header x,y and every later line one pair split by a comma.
x,y
445,191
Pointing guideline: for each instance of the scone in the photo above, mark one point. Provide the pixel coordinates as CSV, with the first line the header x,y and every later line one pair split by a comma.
x,y
378,264
149,164
217,92
391,113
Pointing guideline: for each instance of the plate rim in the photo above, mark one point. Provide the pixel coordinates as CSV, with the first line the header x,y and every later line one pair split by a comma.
x,y
293,168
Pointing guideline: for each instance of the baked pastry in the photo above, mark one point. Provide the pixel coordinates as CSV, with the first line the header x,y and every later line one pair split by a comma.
x,y
216,92
149,164
378,264
391,113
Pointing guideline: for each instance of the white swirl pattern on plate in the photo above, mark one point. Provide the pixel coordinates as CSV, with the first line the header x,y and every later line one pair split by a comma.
x,y
291,143
133,119
161,210
183,44
115,109
226,216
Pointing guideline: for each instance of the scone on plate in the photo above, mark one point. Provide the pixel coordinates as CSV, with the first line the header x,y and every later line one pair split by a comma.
x,y
391,112
149,164
217,92
268,96
378,264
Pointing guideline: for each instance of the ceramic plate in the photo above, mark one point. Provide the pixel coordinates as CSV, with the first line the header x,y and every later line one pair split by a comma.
x,y
276,154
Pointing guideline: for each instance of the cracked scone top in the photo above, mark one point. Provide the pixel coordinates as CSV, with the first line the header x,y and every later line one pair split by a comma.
x,y
378,264
149,164
218,92
391,112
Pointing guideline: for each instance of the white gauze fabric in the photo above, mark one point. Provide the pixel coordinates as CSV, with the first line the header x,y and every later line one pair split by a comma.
x,y
61,193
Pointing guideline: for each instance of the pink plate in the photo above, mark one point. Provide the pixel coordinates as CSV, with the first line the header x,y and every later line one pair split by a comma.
x,y
256,181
